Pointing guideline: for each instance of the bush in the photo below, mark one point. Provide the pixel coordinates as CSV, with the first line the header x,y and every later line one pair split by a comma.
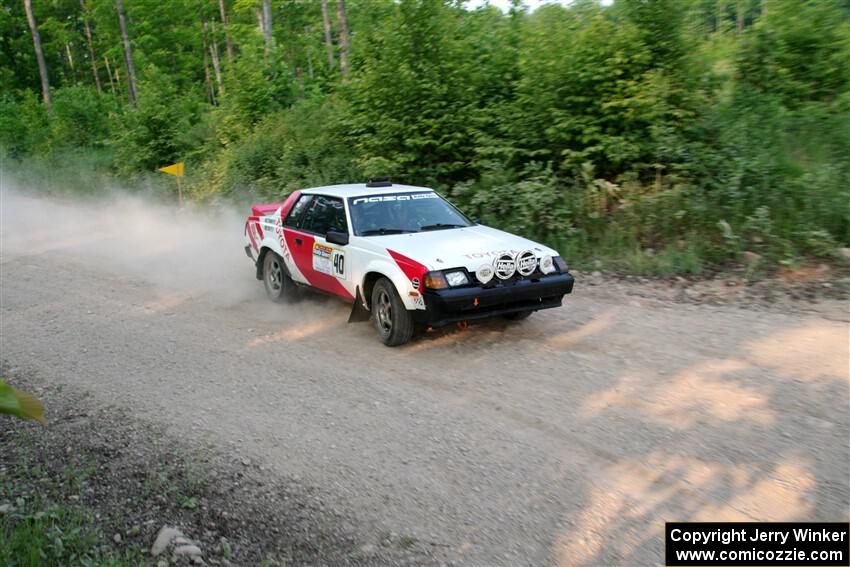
x,y
24,127
80,117
301,146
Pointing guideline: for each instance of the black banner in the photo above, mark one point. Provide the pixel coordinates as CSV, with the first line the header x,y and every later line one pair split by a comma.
x,y
762,544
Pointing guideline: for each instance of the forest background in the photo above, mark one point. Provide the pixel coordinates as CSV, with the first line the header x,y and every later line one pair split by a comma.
x,y
646,136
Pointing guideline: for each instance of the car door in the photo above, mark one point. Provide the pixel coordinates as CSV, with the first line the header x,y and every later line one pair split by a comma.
x,y
288,242
323,264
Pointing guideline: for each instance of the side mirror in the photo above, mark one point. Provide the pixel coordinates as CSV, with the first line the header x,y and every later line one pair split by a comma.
x,y
477,220
337,237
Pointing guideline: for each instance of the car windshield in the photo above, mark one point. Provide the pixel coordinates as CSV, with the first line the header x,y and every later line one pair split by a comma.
x,y
399,213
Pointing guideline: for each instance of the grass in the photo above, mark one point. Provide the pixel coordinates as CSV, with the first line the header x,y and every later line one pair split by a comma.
x,y
43,525
36,532
685,257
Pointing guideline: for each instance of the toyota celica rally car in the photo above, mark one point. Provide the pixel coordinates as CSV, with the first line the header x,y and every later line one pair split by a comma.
x,y
404,256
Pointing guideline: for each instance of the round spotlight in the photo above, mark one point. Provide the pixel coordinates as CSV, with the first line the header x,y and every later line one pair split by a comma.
x,y
484,273
504,265
526,263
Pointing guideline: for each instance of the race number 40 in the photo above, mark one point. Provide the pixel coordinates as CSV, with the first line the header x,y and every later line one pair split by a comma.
x,y
339,264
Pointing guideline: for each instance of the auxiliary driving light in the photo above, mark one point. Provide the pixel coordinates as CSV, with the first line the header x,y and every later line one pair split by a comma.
x,y
484,273
547,265
526,263
504,265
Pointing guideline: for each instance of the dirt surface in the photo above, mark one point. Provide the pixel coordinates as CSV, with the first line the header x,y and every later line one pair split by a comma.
x,y
132,479
568,438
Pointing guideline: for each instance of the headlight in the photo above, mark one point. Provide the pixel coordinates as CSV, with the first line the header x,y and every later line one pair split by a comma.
x,y
435,280
456,278
547,265
561,264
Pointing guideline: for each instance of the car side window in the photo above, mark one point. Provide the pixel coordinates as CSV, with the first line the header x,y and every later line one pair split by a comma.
x,y
295,212
324,214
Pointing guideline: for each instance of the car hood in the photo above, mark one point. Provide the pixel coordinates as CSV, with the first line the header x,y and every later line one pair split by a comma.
x,y
467,247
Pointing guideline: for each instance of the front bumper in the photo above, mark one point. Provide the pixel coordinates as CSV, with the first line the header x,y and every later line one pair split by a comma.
x,y
446,306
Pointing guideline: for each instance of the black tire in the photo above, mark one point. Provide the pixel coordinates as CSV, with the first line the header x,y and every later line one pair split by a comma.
x,y
389,315
279,286
518,315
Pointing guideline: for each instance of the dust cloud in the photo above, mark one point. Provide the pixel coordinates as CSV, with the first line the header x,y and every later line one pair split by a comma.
x,y
197,250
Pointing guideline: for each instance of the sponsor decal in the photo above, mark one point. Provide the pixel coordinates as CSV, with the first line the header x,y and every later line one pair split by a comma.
x,y
328,260
526,263
504,265
284,249
415,283
490,254
322,258
401,197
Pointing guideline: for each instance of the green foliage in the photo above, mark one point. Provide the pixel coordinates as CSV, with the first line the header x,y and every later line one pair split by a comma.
x,y
24,125
656,136
20,404
408,99
535,206
155,133
300,147
80,117
799,51
36,532
255,87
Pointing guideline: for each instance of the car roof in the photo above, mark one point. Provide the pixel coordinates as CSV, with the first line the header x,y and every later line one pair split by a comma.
x,y
361,189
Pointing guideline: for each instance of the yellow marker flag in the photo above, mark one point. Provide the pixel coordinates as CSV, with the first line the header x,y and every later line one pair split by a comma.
x,y
176,169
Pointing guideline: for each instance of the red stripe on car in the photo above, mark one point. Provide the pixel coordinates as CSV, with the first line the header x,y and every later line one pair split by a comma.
x,y
251,236
410,267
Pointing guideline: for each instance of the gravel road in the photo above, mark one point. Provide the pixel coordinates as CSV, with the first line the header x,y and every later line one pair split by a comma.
x,y
566,439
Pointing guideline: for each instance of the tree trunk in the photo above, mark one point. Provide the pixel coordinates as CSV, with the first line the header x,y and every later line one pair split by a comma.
x,y
216,62
128,54
39,54
70,57
721,6
326,23
228,41
739,16
343,36
309,57
109,75
207,82
267,22
87,30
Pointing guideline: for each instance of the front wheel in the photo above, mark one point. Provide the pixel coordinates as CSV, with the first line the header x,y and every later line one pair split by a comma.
x,y
279,286
391,318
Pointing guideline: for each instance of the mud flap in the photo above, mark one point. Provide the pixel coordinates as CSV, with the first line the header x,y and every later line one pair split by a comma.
x,y
359,312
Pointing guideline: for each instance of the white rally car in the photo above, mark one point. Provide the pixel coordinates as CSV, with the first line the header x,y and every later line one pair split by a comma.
x,y
403,255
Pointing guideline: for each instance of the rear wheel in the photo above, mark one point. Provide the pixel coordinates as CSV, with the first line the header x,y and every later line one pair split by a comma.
x,y
518,315
391,318
279,286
